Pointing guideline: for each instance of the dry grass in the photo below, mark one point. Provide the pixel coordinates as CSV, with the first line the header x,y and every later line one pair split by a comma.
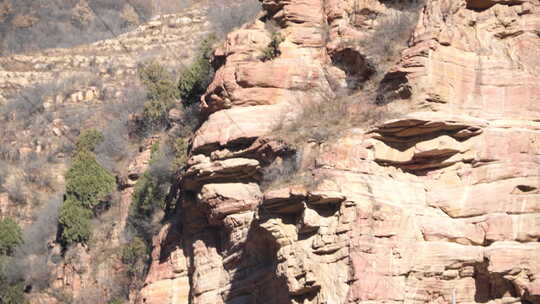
x,y
33,25
31,262
325,120
225,15
291,171
32,157
389,37
368,60
282,171
318,122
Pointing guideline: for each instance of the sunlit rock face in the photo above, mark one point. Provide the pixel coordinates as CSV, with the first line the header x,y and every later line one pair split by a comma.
x,y
439,204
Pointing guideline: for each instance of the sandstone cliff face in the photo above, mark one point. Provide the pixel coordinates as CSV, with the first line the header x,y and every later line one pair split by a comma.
x,y
440,203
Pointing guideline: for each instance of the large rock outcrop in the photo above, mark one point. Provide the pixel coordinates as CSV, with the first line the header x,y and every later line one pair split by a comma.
x,y
441,203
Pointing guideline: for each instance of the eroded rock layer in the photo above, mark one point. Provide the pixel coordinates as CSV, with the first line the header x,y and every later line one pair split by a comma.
x,y
439,204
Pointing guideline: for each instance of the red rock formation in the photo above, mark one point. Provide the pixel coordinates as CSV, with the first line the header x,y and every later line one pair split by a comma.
x,y
442,201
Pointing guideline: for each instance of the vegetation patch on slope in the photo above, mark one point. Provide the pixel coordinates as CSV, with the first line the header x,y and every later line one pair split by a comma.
x,y
87,185
11,292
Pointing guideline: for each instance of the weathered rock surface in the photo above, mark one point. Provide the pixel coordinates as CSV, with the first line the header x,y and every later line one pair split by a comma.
x,y
440,204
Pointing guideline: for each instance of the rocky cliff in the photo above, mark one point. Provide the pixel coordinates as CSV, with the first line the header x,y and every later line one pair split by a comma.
x,y
437,203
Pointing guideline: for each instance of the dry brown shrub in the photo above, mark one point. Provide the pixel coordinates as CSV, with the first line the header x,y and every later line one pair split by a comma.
x,y
318,122
389,38
32,260
225,15
325,120
291,170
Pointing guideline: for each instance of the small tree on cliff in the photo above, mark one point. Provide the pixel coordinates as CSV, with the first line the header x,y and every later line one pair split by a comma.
x,y
87,182
194,80
88,140
87,185
10,236
272,49
135,256
161,94
75,221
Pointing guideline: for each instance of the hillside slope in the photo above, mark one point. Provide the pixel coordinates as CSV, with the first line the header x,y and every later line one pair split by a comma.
x,y
48,100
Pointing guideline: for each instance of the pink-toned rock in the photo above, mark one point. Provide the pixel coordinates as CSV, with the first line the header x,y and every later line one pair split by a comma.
x,y
236,125
325,197
438,205
166,291
516,262
285,200
167,280
458,202
445,229
517,227
231,169
225,199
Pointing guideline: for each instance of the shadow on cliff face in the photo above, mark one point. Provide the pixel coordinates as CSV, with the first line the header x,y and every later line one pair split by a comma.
x,y
171,242
491,286
369,60
255,280
357,68
248,254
